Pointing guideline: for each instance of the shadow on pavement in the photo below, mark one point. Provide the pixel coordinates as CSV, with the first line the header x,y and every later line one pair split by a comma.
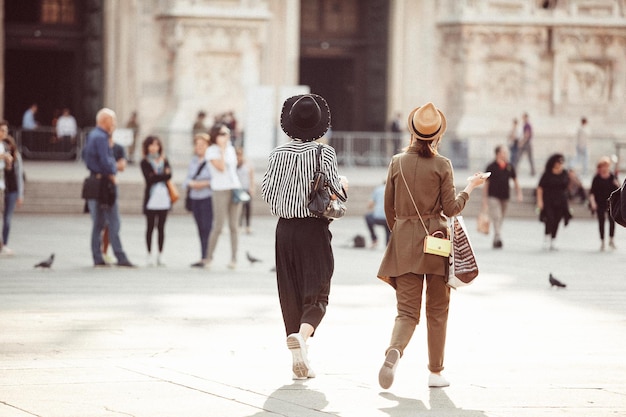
x,y
440,405
294,400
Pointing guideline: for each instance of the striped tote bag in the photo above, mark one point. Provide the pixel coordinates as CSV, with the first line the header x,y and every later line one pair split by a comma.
x,y
463,267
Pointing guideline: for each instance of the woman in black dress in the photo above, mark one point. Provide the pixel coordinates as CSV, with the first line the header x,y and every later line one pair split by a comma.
x,y
552,198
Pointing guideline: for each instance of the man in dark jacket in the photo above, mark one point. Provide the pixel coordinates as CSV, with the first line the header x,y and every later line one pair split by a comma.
x,y
98,156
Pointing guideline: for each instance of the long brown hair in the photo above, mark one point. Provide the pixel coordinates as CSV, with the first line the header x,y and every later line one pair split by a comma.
x,y
423,148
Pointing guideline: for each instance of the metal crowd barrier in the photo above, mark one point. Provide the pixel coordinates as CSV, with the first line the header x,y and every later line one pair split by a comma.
x,y
353,149
366,148
375,149
43,143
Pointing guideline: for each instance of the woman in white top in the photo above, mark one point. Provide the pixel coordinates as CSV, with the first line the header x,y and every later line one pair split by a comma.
x,y
222,162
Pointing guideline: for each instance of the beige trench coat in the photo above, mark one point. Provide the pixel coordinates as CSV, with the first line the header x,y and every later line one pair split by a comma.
x,y
431,181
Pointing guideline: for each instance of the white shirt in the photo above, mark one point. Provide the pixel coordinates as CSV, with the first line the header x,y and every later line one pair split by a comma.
x,y
66,126
227,179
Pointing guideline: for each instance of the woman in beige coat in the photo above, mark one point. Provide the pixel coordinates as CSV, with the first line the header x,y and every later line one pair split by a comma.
x,y
405,267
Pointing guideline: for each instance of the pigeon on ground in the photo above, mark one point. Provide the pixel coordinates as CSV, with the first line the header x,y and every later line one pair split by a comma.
x,y
555,282
252,259
47,263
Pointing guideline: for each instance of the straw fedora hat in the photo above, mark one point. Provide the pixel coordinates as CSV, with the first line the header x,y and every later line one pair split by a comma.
x,y
305,117
427,122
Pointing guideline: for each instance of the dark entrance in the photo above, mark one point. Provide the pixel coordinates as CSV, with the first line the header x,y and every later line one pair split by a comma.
x,y
43,77
332,78
53,57
343,57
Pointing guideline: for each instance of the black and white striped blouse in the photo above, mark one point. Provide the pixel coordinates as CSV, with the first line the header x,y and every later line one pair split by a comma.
x,y
287,181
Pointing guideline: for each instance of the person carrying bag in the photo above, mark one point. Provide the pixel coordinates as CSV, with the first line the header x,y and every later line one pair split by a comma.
x,y
419,195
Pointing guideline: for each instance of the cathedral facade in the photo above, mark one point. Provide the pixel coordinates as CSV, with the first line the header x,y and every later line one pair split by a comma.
x,y
483,62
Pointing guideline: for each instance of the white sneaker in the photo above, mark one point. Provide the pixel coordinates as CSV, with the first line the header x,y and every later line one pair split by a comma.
x,y
232,265
437,381
7,251
388,370
149,260
310,374
300,367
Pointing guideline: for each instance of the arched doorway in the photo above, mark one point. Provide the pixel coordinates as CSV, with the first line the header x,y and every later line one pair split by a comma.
x,y
343,57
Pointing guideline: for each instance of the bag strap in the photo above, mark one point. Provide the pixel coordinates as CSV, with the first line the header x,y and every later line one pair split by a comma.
x,y
318,168
411,195
199,169
318,158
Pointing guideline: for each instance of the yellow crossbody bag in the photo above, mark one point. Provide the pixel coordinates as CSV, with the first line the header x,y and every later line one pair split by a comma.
x,y
437,245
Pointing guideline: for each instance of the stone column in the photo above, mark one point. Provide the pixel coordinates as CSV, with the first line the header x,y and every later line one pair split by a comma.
x,y
120,58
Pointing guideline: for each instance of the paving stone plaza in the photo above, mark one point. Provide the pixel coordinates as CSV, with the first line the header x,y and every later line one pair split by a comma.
x,y
175,341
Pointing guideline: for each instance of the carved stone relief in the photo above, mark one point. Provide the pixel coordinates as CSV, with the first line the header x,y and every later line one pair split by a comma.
x,y
503,79
588,81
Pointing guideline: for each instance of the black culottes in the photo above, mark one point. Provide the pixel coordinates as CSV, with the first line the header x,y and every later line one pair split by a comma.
x,y
304,267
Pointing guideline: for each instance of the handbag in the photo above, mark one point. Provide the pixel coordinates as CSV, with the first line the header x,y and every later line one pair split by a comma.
x,y
320,202
240,196
101,188
91,188
173,191
617,205
437,245
433,244
463,266
188,197
483,223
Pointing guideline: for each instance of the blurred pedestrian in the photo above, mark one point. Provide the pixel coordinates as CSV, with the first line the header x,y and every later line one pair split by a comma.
x,y
376,214
11,183
222,161
583,134
198,125
526,144
133,124
66,127
513,141
120,162
245,172
28,120
420,178
602,185
304,255
552,202
230,121
98,157
396,128
496,192
198,182
156,201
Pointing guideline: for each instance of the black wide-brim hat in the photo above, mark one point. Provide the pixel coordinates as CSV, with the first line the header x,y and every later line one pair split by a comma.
x,y
305,117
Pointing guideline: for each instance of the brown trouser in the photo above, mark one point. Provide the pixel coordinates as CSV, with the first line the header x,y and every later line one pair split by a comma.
x,y
409,289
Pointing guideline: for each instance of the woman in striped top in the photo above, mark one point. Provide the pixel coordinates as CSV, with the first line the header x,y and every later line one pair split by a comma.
x,y
304,256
